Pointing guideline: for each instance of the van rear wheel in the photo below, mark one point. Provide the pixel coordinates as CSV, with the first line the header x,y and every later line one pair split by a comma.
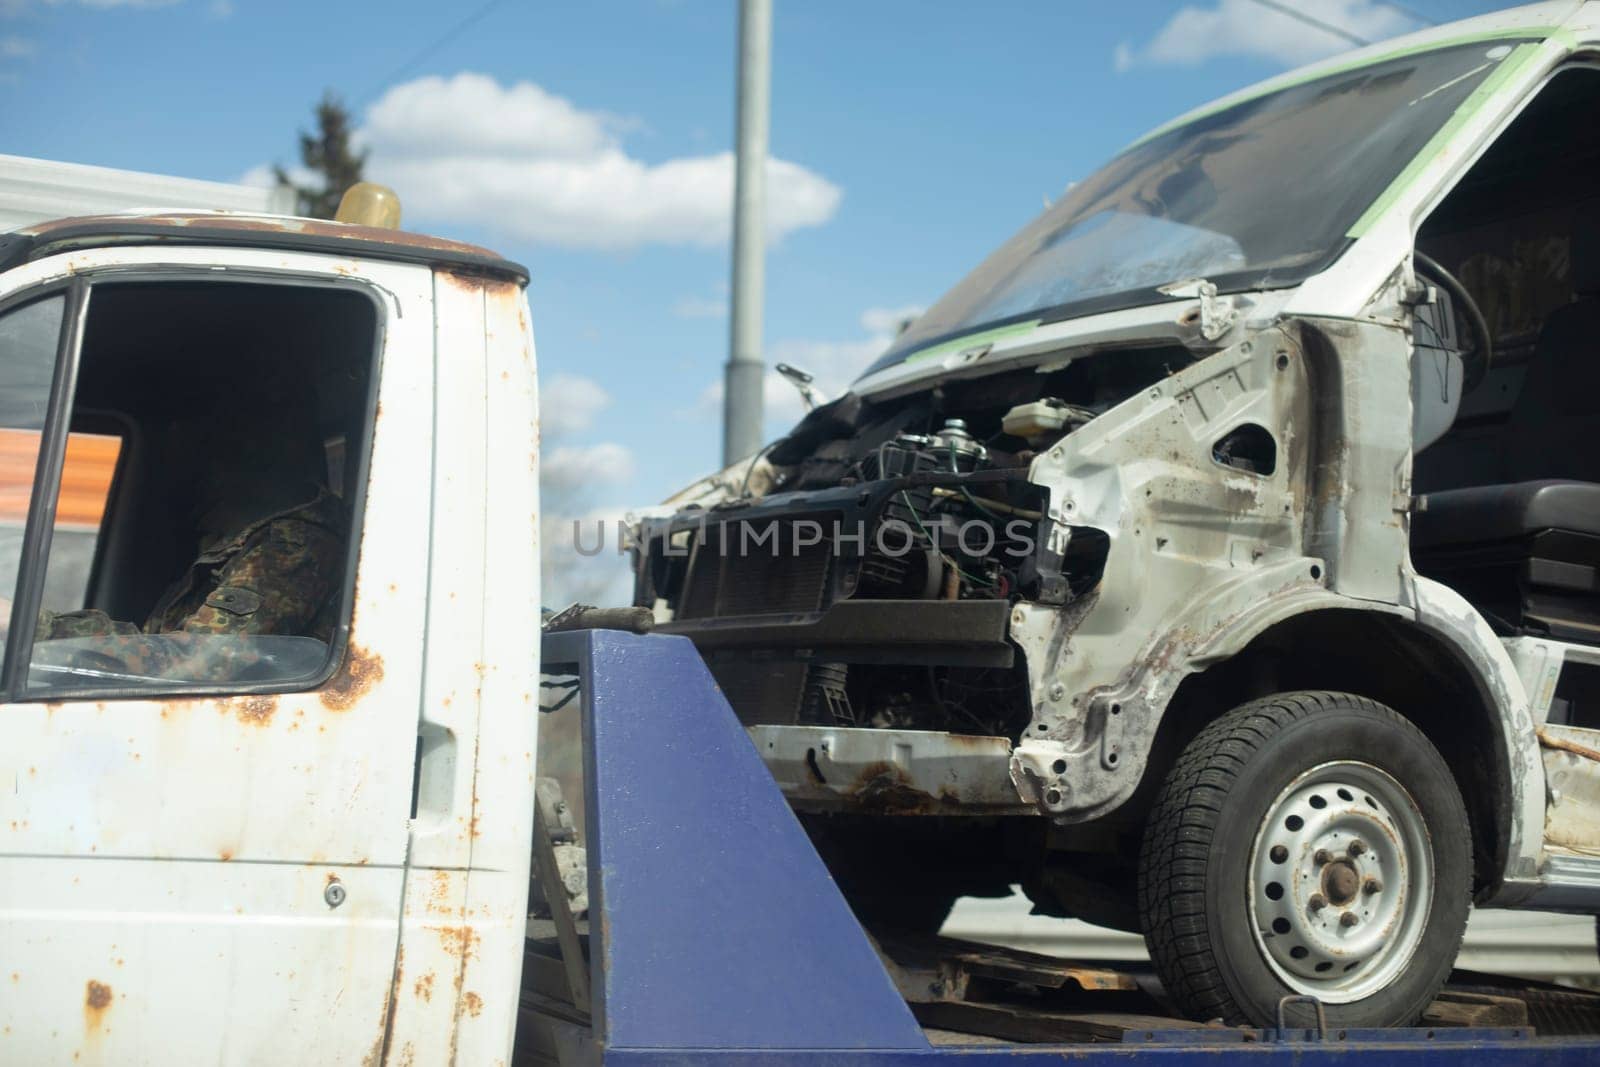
x,y
1308,844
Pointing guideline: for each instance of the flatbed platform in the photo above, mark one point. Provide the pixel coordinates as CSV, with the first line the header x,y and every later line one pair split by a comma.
x,y
967,993
719,935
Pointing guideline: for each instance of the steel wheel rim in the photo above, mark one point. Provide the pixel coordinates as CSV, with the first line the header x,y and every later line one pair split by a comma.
x,y
1339,882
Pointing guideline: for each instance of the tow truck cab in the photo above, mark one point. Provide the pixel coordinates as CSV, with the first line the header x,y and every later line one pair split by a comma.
x,y
302,847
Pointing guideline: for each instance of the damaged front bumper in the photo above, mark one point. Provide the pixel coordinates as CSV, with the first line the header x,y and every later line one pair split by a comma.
x,y
968,633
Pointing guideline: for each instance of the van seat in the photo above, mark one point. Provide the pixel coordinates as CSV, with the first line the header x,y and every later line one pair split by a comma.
x,y
1497,512
1526,554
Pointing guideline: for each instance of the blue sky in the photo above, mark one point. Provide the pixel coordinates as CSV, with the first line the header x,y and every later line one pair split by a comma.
x,y
589,141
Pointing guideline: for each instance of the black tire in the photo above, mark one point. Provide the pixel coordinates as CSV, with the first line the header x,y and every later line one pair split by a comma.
x,y
1195,880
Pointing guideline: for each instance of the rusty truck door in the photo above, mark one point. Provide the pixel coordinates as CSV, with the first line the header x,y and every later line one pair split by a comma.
x,y
215,877
466,902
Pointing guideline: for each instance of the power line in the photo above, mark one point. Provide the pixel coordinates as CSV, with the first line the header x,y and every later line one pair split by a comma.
x,y
1326,27
1338,31
1410,13
428,50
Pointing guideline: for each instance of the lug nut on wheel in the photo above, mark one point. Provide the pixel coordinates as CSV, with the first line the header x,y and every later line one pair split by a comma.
x,y
1357,847
1317,902
1349,919
1322,856
1371,886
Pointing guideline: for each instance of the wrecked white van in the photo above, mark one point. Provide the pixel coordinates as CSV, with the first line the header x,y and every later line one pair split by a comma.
x,y
1219,558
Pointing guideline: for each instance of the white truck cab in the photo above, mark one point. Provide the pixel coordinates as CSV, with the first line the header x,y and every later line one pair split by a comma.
x,y
310,843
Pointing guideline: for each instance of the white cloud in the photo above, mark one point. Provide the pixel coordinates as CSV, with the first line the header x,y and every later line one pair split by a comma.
x,y
832,364
579,561
531,165
573,469
569,478
262,176
889,320
1244,28
473,114
568,404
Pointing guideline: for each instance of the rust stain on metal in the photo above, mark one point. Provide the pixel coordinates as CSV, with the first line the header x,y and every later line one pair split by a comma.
x,y
472,823
473,1003
97,999
980,744
361,671
424,987
460,941
463,282
884,788
225,855
375,1056
498,290
256,710
439,893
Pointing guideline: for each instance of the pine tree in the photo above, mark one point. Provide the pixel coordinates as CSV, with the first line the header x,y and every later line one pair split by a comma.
x,y
328,155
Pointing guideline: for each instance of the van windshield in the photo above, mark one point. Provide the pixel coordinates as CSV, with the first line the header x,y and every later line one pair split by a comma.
x,y
1261,194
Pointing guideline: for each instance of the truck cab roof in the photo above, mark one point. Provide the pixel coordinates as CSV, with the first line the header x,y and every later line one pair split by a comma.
x,y
256,231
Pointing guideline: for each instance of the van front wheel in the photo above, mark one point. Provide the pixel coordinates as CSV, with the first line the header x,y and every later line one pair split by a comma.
x,y
1308,844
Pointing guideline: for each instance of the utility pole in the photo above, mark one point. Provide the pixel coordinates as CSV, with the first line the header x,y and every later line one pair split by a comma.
x,y
743,379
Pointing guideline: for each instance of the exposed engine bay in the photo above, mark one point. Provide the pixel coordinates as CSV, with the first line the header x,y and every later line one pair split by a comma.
x,y
863,571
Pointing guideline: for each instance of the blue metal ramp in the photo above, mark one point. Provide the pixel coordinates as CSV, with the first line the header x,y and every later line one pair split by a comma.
x,y
718,935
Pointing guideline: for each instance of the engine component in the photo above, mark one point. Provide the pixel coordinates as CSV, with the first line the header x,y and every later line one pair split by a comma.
x,y
871,581
964,450
826,701
1043,420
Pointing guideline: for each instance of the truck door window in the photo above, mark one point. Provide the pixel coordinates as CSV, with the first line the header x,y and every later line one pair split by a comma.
x,y
29,336
223,555
86,476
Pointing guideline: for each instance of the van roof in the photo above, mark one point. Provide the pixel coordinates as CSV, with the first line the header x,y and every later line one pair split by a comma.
x,y
1535,21
254,231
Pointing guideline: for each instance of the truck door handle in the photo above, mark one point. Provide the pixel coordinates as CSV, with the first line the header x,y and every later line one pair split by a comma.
x,y
433,787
